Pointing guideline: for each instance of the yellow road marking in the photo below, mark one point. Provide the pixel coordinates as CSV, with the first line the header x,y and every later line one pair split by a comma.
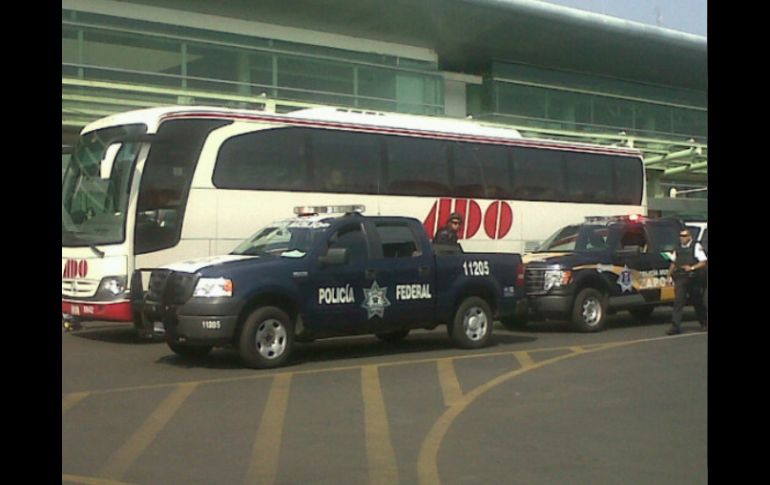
x,y
89,480
119,463
264,456
427,461
379,450
447,377
525,360
269,375
69,401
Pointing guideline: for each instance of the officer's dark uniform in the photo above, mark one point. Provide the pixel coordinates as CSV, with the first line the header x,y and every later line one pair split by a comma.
x,y
687,285
447,235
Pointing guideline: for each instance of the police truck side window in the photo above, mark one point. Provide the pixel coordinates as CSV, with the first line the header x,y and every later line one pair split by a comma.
x,y
350,237
397,240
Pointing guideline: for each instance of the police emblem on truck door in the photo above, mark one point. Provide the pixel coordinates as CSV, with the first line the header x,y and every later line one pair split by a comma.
x,y
375,300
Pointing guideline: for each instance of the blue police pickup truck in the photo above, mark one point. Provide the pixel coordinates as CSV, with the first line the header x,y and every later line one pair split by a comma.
x,y
585,271
315,276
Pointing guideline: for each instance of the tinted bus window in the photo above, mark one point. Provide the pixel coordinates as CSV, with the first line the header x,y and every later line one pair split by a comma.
x,y
629,177
268,160
589,178
345,162
481,171
166,180
538,174
417,166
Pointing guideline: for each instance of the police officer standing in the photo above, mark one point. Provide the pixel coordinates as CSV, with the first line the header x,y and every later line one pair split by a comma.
x,y
448,234
689,261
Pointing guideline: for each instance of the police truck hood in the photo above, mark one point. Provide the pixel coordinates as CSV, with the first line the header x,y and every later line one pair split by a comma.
x,y
195,265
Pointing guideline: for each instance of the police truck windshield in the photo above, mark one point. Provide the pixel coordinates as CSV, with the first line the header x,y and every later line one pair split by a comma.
x,y
577,238
95,187
289,239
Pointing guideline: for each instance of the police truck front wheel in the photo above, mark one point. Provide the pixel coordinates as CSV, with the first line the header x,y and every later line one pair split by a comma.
x,y
472,324
267,338
589,311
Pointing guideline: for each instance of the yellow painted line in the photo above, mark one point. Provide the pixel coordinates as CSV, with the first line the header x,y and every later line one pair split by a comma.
x,y
264,456
70,400
577,349
447,377
525,360
427,461
89,480
270,375
119,463
383,469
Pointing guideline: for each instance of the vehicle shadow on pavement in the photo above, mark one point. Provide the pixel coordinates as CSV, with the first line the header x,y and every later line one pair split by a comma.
x,y
348,348
621,319
125,334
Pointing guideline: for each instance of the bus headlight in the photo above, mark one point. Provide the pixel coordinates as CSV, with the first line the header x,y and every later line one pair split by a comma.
x,y
213,287
113,285
556,278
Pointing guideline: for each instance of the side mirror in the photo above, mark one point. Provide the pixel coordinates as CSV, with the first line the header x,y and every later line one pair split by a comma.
x,y
106,164
629,251
335,256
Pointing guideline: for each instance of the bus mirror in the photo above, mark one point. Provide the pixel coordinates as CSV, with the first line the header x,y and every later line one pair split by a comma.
x,y
105,166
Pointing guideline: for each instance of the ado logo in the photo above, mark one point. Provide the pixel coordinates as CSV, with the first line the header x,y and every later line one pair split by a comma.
x,y
497,217
75,269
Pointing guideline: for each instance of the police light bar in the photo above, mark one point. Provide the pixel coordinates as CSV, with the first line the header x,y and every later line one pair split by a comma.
x,y
608,219
328,209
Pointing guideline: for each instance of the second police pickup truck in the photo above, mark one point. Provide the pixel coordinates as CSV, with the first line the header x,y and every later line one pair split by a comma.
x,y
316,276
605,264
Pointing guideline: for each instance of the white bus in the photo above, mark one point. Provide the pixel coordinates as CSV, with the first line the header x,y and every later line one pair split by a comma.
x,y
149,187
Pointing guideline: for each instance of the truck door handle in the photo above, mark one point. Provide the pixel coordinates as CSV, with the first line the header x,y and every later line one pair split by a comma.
x,y
423,270
371,273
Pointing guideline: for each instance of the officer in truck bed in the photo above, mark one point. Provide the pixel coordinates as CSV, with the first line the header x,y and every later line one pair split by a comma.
x,y
688,272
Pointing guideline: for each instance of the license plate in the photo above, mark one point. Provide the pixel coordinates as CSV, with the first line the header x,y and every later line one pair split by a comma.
x,y
158,327
74,310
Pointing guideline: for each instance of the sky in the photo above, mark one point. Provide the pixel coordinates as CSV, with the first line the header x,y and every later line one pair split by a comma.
x,y
682,15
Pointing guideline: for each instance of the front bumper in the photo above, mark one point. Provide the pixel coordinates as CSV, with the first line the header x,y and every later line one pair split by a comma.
x,y
550,305
210,322
83,310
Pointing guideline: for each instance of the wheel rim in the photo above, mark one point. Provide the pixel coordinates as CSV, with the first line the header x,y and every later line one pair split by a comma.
x,y
475,323
271,339
592,312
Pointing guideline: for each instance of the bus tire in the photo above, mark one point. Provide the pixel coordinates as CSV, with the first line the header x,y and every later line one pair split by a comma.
x,y
190,351
267,338
589,312
472,324
394,336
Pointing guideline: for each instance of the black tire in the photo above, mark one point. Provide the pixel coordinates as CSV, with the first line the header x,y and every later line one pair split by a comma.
x,y
190,351
472,324
642,313
589,312
267,338
395,336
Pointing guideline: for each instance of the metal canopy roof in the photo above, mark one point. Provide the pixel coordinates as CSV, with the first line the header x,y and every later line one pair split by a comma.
x,y
469,34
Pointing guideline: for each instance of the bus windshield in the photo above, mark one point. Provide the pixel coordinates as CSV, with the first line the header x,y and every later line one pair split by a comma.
x,y
289,239
95,186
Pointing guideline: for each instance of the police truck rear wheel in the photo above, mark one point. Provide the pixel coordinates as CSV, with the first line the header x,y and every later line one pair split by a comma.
x,y
589,311
472,325
267,338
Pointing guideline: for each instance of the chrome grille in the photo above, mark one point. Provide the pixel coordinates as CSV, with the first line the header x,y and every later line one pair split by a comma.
x,y
534,279
79,288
